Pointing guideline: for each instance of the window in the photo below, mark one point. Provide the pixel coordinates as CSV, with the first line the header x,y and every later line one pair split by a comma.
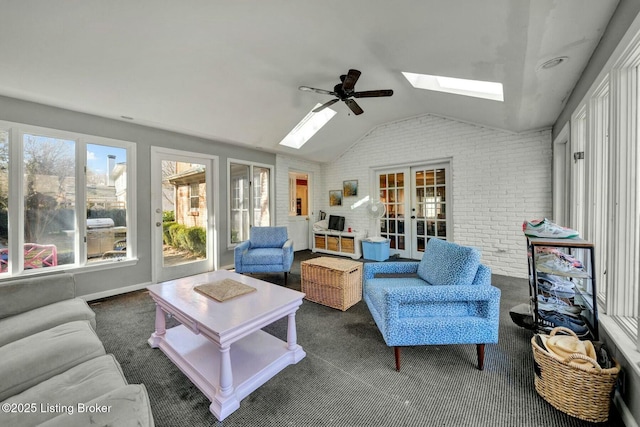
x,y
4,201
106,194
250,189
605,189
71,205
194,196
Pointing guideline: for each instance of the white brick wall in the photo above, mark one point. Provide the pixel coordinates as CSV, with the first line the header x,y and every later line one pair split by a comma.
x,y
500,178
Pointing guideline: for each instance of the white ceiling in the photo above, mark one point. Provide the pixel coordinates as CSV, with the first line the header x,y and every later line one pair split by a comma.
x,y
230,70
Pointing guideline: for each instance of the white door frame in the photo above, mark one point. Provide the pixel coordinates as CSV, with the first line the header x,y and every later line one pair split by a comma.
x,y
158,272
561,176
310,217
410,226
446,165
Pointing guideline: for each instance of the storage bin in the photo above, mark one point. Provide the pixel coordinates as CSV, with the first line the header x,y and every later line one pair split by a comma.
x,y
377,251
320,242
582,392
346,244
332,243
333,282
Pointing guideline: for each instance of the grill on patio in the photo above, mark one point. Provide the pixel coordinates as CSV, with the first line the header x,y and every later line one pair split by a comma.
x,y
102,235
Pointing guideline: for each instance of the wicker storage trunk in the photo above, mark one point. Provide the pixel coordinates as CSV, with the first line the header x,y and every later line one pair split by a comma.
x,y
333,282
576,390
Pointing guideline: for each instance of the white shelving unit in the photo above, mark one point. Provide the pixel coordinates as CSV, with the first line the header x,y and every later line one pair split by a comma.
x,y
340,243
583,278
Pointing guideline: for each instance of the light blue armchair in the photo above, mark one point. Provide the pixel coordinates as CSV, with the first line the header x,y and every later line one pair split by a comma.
x,y
268,250
446,298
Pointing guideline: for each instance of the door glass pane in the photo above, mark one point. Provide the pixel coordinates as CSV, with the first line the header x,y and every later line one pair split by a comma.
x,y
49,201
392,196
239,176
430,194
261,214
184,212
4,201
106,202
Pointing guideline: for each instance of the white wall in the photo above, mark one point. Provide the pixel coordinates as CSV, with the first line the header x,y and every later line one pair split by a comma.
x,y
499,179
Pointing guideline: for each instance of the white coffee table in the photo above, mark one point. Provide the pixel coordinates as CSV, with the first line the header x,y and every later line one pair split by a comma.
x,y
220,345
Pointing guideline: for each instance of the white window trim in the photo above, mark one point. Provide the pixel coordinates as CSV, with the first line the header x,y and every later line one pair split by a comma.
x,y
16,132
272,220
623,204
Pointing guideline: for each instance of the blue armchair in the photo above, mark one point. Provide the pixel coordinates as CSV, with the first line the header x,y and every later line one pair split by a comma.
x,y
446,298
268,250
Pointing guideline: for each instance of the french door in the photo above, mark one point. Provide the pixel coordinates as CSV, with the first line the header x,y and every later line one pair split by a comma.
x,y
418,207
182,212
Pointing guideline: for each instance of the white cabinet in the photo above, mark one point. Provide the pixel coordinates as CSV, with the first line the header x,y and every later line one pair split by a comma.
x,y
338,243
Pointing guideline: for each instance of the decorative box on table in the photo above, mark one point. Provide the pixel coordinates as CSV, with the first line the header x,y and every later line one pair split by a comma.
x,y
334,282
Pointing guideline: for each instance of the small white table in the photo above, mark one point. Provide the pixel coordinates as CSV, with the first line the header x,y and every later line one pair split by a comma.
x,y
220,345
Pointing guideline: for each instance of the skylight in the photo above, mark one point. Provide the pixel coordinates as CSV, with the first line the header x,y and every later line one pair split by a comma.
x,y
475,88
308,126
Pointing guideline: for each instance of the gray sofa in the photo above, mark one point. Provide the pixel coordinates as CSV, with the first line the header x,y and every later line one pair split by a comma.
x,y
54,370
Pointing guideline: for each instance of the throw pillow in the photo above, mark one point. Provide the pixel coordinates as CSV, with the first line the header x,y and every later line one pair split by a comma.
x,y
446,263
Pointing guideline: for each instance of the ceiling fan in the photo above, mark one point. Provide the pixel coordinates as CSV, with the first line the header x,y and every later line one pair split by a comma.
x,y
344,92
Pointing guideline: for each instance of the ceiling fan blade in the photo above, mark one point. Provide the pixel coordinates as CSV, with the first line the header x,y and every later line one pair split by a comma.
x,y
313,89
372,93
350,80
353,105
325,105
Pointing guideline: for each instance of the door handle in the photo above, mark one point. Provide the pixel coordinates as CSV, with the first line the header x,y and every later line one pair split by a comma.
x,y
413,217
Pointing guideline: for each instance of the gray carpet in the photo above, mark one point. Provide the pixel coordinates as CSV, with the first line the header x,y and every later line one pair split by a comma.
x,y
348,376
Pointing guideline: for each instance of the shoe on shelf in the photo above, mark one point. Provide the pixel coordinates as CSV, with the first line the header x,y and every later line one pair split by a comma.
x,y
556,286
547,229
552,320
559,305
559,263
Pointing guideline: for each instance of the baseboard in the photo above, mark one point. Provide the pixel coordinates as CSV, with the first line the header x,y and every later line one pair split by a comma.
x,y
623,410
113,292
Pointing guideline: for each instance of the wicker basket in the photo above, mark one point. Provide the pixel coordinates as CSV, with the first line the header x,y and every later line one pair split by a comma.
x,y
578,390
333,282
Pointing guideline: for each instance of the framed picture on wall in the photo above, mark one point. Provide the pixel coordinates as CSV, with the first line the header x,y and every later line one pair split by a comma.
x,y
335,197
350,188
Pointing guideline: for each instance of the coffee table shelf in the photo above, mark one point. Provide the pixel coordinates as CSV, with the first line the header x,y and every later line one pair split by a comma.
x,y
226,356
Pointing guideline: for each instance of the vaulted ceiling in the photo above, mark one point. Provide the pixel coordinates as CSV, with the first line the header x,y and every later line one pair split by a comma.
x,y
230,70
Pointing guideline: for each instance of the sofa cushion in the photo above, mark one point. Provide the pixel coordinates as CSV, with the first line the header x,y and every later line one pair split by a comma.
x,y
263,256
126,406
42,318
36,358
20,295
268,237
446,263
80,384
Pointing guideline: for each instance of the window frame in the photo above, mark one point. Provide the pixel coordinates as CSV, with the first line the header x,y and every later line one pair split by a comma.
x,y
16,209
621,302
230,194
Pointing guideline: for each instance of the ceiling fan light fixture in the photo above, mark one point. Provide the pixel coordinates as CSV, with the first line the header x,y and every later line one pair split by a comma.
x,y
466,87
307,127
